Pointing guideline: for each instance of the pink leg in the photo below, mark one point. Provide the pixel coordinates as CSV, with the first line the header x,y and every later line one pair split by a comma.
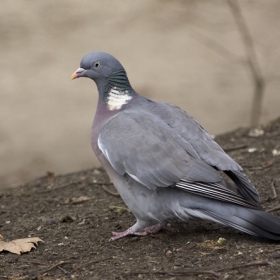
x,y
143,232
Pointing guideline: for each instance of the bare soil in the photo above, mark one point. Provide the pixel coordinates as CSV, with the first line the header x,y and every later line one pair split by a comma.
x,y
76,233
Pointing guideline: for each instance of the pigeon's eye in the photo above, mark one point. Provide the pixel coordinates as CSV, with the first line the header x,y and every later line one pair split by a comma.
x,y
97,64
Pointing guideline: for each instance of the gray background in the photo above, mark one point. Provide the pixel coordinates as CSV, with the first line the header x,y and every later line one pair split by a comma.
x,y
189,53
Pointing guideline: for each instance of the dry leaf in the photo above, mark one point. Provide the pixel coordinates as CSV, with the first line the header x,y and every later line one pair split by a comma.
x,y
19,246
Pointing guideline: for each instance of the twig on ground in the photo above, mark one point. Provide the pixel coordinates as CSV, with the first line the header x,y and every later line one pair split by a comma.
x,y
255,263
89,262
34,262
239,147
264,166
63,270
56,265
101,184
198,272
61,187
175,273
72,183
49,269
109,191
273,189
273,209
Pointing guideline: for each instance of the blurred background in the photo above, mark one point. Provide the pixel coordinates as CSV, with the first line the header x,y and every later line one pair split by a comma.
x,y
190,53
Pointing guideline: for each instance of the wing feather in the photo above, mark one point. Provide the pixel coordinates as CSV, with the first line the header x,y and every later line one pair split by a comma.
x,y
204,145
144,146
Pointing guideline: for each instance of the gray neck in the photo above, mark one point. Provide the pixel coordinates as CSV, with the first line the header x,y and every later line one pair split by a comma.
x,y
118,79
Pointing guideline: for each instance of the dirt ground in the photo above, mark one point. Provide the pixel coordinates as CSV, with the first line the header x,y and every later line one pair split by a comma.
x,y
76,232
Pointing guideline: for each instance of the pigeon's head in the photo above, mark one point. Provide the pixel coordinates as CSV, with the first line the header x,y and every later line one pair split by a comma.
x,y
104,69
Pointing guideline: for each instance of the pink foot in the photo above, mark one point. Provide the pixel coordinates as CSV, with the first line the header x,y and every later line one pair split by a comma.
x,y
143,232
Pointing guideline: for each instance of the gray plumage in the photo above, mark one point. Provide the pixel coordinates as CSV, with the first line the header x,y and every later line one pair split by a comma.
x,y
163,163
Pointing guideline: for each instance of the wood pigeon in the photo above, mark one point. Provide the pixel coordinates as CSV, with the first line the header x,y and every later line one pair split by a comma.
x,y
163,163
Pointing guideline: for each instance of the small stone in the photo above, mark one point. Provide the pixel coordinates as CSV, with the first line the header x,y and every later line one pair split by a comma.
x,y
168,253
276,255
276,152
251,150
50,221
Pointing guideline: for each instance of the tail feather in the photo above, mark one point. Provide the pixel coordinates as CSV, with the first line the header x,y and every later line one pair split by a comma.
x,y
245,187
254,222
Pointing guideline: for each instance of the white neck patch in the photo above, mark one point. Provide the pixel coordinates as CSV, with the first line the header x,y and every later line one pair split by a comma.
x,y
117,98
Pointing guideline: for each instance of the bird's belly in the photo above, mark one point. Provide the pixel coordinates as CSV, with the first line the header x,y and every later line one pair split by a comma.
x,y
145,204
